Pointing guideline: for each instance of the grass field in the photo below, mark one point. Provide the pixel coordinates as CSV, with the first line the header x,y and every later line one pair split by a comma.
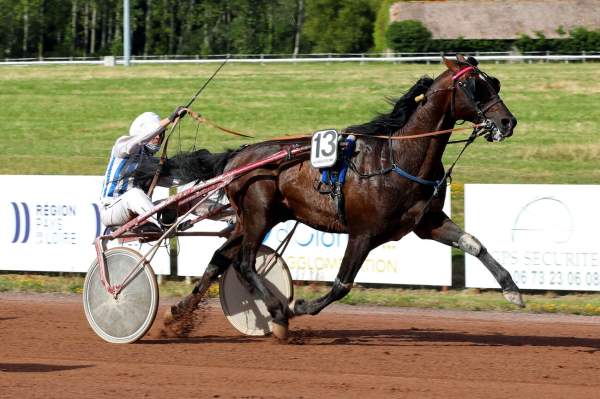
x,y
63,119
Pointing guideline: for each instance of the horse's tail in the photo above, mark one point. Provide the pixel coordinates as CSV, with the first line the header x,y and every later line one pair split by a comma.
x,y
185,167
197,165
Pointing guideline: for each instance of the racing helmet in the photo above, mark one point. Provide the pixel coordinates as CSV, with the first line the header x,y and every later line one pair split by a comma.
x,y
145,124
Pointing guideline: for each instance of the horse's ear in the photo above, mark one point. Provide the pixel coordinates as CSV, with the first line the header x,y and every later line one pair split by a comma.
x,y
451,64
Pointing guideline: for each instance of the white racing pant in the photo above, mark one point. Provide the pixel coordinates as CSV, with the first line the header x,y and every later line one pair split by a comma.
x,y
122,209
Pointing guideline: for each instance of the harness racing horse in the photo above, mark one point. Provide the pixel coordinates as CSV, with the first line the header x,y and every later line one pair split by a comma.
x,y
394,187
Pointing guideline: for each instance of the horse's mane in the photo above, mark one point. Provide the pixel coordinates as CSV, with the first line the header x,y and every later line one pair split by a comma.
x,y
387,124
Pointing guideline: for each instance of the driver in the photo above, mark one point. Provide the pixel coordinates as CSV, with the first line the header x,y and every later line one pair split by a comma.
x,y
121,198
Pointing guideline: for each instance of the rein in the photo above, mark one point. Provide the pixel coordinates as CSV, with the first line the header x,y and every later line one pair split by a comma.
x,y
200,119
162,160
478,130
163,155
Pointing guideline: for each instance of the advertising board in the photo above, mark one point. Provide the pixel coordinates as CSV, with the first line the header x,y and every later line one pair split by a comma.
x,y
49,223
544,235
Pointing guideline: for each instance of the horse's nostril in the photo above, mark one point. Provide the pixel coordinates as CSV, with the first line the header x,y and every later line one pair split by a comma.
x,y
508,123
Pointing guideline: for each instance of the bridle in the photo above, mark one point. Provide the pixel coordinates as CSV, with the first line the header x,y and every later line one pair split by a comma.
x,y
483,127
492,132
467,87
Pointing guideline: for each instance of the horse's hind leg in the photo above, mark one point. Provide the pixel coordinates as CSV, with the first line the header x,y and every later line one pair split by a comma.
x,y
356,252
177,318
439,227
253,234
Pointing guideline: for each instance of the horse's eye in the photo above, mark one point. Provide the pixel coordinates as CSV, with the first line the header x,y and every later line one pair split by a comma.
x,y
472,87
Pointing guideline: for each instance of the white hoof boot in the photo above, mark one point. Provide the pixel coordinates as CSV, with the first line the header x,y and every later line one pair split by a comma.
x,y
168,317
280,332
291,306
514,297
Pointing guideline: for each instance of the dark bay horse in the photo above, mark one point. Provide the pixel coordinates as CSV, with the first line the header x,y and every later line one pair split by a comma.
x,y
380,207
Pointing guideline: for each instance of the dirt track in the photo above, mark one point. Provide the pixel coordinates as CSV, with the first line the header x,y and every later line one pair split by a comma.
x,y
47,350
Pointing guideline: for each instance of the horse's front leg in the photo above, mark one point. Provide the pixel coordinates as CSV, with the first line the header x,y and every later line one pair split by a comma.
x,y
439,227
356,252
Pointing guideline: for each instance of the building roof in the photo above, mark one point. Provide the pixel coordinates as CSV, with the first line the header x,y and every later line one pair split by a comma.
x,y
498,19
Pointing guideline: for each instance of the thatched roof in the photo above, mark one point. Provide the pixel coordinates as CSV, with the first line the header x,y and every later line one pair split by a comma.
x,y
498,19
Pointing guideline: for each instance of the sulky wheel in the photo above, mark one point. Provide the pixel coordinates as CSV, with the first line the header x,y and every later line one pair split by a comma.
x,y
127,317
246,312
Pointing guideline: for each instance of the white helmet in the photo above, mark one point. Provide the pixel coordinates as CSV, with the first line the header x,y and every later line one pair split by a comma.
x,y
144,124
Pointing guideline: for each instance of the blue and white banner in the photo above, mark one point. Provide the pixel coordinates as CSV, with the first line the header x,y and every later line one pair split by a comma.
x,y
49,223
544,235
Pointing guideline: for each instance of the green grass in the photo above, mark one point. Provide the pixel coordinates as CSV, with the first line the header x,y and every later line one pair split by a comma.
x,y
465,299
64,120
462,299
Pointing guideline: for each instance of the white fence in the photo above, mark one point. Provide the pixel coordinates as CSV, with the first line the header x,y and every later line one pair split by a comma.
x,y
303,58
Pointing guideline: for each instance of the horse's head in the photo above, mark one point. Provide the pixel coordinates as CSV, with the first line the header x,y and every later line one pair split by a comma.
x,y
475,98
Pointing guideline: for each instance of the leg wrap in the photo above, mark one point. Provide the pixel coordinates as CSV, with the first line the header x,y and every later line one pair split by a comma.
x,y
339,289
470,245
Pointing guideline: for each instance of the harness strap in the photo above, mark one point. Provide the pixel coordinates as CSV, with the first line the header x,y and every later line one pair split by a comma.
x,y
462,72
495,100
405,174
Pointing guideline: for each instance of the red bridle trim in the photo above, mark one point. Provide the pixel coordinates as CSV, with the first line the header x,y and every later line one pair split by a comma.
x,y
462,72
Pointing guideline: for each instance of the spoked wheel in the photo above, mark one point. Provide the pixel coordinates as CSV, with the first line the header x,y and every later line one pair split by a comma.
x,y
127,317
246,312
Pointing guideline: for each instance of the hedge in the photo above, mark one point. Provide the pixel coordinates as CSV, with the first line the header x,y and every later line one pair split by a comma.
x,y
412,36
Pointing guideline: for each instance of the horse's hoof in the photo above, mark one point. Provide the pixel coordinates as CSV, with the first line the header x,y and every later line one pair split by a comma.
x,y
168,317
177,325
280,331
514,297
290,310
298,307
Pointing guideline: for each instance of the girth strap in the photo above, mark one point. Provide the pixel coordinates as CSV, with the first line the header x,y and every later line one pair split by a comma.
x,y
405,174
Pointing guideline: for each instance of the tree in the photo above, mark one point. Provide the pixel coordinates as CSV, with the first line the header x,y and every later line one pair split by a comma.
x,y
381,24
249,26
409,36
339,26
9,36
299,23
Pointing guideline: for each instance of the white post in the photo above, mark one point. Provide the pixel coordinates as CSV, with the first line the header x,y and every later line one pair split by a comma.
x,y
126,34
